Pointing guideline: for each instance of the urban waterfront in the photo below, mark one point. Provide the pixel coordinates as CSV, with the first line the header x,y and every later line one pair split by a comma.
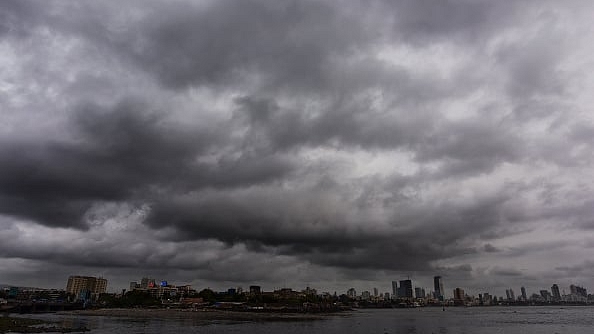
x,y
525,320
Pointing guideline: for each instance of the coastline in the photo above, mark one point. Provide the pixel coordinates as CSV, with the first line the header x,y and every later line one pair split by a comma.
x,y
10,324
204,314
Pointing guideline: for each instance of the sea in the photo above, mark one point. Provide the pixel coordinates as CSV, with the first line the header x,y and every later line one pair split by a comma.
x,y
427,320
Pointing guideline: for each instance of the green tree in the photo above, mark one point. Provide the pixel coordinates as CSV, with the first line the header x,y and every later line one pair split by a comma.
x,y
208,295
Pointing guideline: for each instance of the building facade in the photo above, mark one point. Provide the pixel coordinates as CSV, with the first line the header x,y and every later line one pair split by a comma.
x,y
406,289
524,296
394,289
459,296
438,287
86,287
555,292
419,292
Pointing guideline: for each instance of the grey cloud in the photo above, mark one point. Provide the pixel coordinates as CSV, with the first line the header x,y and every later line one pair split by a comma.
x,y
586,268
467,147
506,272
12,14
320,228
424,21
118,154
537,247
242,123
532,67
491,249
232,40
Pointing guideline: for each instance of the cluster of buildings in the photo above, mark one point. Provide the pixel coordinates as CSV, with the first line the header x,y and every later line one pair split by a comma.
x,y
577,294
29,293
403,291
161,289
88,289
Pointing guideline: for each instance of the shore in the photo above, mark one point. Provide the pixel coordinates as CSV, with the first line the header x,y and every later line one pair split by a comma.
x,y
206,314
26,325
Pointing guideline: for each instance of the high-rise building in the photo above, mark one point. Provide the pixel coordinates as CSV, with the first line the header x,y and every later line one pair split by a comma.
x,y
419,293
578,290
375,292
510,294
555,292
394,289
406,289
365,295
438,286
487,298
546,296
84,287
459,295
524,297
147,283
351,293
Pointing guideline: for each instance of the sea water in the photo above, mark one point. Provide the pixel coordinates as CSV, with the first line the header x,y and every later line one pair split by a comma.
x,y
429,320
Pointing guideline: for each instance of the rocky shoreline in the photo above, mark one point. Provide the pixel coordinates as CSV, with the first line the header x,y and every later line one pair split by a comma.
x,y
27,325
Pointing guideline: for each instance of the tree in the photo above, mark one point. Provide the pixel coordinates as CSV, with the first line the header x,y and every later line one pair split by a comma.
x,y
208,295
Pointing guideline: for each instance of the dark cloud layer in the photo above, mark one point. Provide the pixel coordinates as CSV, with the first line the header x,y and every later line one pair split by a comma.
x,y
311,138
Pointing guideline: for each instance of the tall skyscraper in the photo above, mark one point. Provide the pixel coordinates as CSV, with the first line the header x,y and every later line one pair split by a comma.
x,y
438,287
394,289
524,297
406,289
510,294
545,295
555,292
578,290
459,294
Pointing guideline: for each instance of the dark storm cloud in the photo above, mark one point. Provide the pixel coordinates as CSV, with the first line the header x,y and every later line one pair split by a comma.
x,y
249,124
310,225
491,249
118,154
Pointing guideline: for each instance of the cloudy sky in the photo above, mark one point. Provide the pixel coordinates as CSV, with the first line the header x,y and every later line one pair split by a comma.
x,y
292,143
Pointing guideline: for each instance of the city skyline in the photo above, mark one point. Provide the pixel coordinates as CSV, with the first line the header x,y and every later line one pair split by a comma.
x,y
403,288
334,144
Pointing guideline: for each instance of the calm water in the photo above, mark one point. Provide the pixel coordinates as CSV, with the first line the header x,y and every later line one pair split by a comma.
x,y
485,320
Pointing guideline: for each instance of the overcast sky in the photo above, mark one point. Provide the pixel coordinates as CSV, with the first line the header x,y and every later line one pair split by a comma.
x,y
333,144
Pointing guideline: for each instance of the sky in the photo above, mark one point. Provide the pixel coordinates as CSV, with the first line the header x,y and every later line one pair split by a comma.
x,y
330,144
